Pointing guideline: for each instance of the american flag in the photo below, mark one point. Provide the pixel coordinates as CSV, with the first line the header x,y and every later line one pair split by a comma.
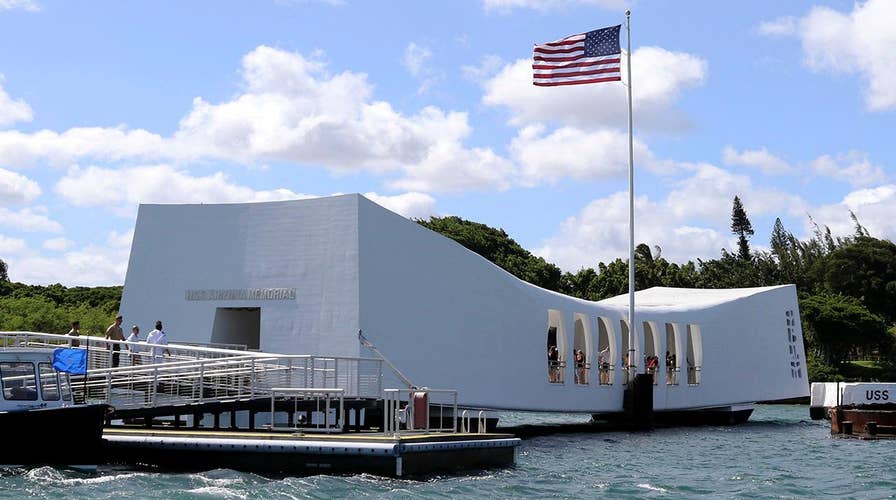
x,y
591,57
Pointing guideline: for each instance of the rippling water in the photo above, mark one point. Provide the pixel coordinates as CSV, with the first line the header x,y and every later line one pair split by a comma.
x,y
779,453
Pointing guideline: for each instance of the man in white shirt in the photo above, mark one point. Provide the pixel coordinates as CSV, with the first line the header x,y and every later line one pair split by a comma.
x,y
158,338
133,346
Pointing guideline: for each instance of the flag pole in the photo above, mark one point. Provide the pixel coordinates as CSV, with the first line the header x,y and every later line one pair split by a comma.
x,y
632,362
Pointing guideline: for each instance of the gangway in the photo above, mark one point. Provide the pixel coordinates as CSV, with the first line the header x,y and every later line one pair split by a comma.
x,y
198,381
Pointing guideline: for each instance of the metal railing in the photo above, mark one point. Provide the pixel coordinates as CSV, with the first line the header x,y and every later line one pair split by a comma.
x,y
192,374
426,410
555,371
324,417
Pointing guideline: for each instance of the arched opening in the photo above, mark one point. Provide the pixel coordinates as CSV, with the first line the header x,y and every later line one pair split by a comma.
x,y
651,349
606,351
581,349
556,345
673,341
695,354
629,366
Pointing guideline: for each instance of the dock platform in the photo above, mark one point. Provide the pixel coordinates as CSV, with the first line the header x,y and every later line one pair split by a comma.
x,y
309,453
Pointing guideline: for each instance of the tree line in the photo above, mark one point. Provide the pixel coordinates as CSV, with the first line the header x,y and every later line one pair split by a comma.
x,y
846,285
51,309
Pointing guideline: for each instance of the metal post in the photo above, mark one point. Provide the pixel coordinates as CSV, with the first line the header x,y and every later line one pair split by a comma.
x,y
631,210
201,381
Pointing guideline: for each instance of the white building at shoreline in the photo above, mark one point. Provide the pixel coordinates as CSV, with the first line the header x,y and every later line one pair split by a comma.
x,y
303,277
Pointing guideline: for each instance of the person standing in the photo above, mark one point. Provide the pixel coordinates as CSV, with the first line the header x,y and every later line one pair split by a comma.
x,y
114,332
158,338
133,339
75,332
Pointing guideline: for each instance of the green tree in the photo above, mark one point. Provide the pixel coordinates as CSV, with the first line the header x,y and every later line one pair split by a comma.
x,y
741,226
834,325
499,248
864,268
4,276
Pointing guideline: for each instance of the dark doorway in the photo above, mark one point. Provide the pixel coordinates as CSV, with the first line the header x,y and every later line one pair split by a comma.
x,y
237,325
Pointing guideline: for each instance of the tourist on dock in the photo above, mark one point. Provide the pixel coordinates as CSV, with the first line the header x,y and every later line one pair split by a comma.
x,y
133,347
114,332
158,338
75,332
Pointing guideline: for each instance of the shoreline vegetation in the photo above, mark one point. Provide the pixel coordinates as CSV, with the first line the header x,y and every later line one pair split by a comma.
x,y
846,288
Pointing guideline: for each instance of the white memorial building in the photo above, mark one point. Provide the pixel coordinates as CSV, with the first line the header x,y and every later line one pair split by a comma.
x,y
304,276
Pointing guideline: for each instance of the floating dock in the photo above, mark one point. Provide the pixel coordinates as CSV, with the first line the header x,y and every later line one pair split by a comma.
x,y
298,453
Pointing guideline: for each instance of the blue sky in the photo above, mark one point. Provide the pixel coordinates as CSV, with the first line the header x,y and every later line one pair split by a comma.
x,y
428,109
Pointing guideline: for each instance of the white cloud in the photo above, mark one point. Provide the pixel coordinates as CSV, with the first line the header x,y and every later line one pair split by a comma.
x,y
600,234
292,110
860,42
708,193
415,58
690,222
16,188
853,168
91,266
12,111
550,5
60,149
450,167
659,75
29,220
874,208
12,246
787,25
411,205
58,244
572,153
29,5
757,158
123,189
488,66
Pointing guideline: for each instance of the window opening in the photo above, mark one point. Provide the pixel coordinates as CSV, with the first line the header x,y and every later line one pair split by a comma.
x,y
651,348
694,355
19,383
672,367
556,347
629,366
606,353
581,349
49,382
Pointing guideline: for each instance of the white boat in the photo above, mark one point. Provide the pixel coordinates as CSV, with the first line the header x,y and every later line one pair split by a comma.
x,y
37,410
303,277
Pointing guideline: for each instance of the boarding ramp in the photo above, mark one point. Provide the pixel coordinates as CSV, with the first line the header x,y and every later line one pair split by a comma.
x,y
147,376
139,377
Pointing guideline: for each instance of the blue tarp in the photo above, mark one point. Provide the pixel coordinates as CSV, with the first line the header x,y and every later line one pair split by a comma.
x,y
69,360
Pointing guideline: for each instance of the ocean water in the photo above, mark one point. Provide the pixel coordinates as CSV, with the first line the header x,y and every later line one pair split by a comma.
x,y
779,453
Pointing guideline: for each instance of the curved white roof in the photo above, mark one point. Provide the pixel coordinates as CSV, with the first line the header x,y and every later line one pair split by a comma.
x,y
662,298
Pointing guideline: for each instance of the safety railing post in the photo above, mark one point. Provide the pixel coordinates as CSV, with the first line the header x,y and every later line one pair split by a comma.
x,y
201,381
252,381
155,385
108,387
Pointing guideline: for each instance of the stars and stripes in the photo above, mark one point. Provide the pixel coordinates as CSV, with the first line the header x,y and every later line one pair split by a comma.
x,y
591,57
